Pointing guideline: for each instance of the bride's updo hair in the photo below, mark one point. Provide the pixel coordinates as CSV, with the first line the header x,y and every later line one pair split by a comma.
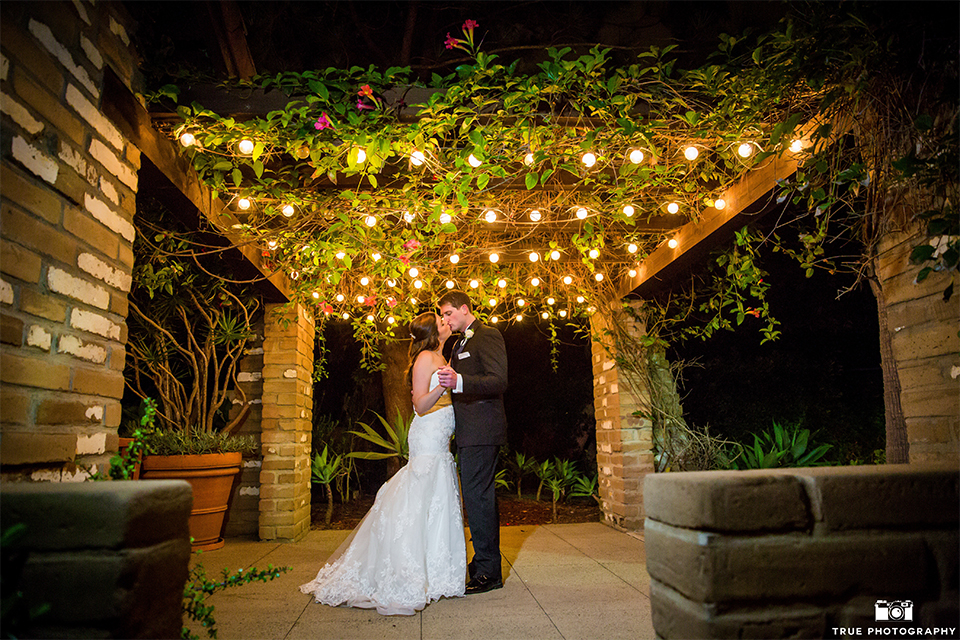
x,y
424,337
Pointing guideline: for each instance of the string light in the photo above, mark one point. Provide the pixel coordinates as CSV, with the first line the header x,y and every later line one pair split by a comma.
x,y
361,155
551,301
294,274
589,159
364,281
245,147
445,218
594,253
535,282
672,243
287,210
474,284
628,210
414,301
345,316
528,159
390,320
188,139
450,284
632,273
409,217
316,295
414,272
673,207
370,318
502,283
519,317
598,277
521,302
567,280
563,313
691,153
490,215
582,213
534,256
474,161
492,302
636,156
391,283
360,299
554,255
796,146
632,248
720,204
339,297
535,216
745,150
417,158
494,319
376,256
371,221
244,203
454,258
580,299
340,255
544,315
418,284
272,244
494,257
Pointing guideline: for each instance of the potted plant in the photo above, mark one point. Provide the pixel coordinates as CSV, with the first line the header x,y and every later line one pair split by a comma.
x,y
188,329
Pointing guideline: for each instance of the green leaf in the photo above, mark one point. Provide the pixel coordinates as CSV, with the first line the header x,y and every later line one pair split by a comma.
x,y
482,180
258,168
237,177
223,165
531,180
921,253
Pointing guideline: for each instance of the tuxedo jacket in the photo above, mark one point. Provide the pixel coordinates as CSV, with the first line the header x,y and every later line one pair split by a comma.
x,y
482,363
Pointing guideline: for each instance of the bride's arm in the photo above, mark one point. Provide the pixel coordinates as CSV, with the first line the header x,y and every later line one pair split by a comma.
x,y
423,396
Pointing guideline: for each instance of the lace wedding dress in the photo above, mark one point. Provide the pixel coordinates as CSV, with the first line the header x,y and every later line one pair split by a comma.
x,y
409,549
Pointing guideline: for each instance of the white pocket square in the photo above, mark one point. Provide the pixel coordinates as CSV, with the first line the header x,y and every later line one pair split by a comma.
x,y
465,354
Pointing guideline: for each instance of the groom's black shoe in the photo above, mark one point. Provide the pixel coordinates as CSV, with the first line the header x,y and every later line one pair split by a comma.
x,y
482,584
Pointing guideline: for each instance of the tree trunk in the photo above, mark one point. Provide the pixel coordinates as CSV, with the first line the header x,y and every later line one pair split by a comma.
x,y
396,391
896,426
329,515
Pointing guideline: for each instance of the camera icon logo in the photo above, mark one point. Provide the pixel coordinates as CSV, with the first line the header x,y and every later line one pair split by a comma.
x,y
898,610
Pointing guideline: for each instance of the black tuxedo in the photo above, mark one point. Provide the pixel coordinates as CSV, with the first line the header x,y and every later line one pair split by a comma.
x,y
481,428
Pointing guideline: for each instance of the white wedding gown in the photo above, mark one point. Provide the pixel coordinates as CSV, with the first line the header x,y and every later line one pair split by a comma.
x,y
409,550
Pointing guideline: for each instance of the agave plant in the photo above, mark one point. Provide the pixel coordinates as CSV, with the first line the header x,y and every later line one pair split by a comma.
x,y
782,447
327,467
584,486
394,445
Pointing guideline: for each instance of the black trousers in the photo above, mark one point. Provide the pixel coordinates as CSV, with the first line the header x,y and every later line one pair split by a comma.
x,y
478,469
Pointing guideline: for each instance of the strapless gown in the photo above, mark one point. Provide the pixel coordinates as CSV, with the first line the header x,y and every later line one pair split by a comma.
x,y
409,550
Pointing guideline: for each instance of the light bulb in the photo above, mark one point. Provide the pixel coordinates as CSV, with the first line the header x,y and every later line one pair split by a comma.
x,y
535,216
294,274
563,313
245,147
744,150
364,281
391,282
582,213
272,244
450,284
567,279
594,253
544,315
554,255
361,156
502,283
796,146
494,257
287,210
632,248
474,284
720,204
339,297
528,159
521,302
492,302
445,218
490,215
588,159
691,153
628,210
519,317
340,255
636,156
390,320
494,319
673,207
534,256
417,158
414,301
376,256
316,295
244,204
418,284
580,299
360,299
188,139
598,276
370,318
454,258
414,272
408,217
672,243
371,221
345,316
535,282
551,301
474,161
632,273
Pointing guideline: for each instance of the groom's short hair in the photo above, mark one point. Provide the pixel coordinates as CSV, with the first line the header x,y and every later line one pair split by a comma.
x,y
455,299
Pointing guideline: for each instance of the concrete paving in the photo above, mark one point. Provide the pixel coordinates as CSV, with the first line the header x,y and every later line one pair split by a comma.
x,y
562,582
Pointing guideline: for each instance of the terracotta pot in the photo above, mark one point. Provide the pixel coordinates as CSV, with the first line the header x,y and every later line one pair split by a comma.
x,y
211,475
124,443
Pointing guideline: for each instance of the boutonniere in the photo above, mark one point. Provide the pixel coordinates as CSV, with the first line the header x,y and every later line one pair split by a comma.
x,y
467,335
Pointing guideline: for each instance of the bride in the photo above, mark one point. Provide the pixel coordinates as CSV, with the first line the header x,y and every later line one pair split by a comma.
x,y
409,549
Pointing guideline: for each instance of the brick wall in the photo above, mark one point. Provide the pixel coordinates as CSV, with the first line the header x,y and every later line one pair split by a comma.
x,y
801,553
927,350
286,423
624,441
68,183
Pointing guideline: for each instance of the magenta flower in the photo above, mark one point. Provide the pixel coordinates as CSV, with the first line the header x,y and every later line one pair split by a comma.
x,y
370,301
365,90
323,122
451,42
405,260
361,105
411,244
470,25
391,302
326,308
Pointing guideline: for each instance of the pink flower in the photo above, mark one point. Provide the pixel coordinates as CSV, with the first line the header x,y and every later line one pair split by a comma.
x,y
361,106
451,42
370,301
391,302
412,244
323,122
365,90
326,308
470,25
405,260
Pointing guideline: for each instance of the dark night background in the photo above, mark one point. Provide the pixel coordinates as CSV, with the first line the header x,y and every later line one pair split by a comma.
x,y
825,369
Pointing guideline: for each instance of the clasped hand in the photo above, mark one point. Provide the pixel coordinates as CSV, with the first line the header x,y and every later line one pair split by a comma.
x,y
448,377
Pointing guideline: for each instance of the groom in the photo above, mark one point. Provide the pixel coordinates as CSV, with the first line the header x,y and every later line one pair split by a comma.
x,y
477,377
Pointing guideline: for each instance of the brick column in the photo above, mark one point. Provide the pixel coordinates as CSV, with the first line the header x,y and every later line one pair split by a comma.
x,y
287,417
624,441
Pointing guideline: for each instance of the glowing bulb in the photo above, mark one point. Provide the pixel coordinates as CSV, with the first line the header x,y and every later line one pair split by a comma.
x,y
551,301
375,256
245,147
494,257
474,284
188,139
691,153
494,319
672,243
339,297
364,281
272,244
445,218
391,282
582,213
474,161
563,313
796,146
594,253
408,217
535,282
502,283
580,299
519,317
287,210
414,272
418,284
544,315
589,159
345,316
628,210
454,258
632,273
673,207
521,302
720,204
361,156
492,302
554,255
490,215
417,158
567,280
371,221
414,301
370,318
450,284
360,299
528,159
744,150
340,255
636,156
534,256
632,248
390,320
598,276
535,216
294,274
244,204
316,295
